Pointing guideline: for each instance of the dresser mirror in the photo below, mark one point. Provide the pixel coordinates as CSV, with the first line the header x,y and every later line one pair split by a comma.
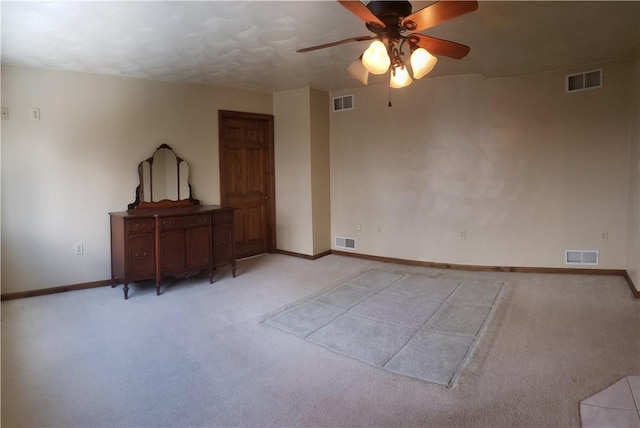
x,y
164,181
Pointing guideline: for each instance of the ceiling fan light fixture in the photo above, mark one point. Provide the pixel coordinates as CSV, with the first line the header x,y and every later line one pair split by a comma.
x,y
376,59
389,20
358,71
422,62
400,77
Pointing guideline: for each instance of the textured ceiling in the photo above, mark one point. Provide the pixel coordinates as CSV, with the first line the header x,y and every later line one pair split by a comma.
x,y
252,44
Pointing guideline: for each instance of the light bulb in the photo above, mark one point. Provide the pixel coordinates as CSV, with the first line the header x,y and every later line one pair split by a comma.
x,y
376,59
358,71
422,62
400,77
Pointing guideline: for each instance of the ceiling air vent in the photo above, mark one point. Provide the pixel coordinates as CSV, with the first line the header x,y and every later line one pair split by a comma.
x,y
343,103
582,81
346,243
581,257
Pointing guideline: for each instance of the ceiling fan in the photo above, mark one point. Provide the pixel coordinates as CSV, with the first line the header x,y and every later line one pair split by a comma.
x,y
389,21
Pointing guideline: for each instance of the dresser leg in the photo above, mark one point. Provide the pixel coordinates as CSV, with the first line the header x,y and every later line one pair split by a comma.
x,y
233,270
126,291
157,288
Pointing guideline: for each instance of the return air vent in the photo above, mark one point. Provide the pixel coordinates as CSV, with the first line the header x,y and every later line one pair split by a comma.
x,y
582,81
347,243
343,103
581,257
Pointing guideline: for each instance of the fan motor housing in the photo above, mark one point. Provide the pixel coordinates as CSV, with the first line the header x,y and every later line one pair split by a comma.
x,y
390,12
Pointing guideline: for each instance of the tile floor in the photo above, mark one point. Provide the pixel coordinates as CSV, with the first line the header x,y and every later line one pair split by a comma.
x,y
616,406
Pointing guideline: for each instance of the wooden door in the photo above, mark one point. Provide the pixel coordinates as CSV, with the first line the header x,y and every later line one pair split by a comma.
x,y
247,179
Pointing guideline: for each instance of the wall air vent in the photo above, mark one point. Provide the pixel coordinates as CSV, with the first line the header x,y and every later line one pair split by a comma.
x,y
582,81
346,243
343,103
581,257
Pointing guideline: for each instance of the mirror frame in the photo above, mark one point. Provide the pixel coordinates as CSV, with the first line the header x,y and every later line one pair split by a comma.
x,y
165,203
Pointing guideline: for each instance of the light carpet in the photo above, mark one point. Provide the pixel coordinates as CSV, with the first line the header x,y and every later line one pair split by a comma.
x,y
199,355
421,326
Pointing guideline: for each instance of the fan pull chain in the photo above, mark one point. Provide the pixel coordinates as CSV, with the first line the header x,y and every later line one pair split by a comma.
x,y
390,105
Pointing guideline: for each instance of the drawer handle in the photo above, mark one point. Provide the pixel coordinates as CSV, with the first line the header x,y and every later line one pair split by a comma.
x,y
141,225
167,222
141,256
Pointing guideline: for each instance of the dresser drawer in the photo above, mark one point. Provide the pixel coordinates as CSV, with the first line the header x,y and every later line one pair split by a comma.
x,y
184,221
141,225
222,217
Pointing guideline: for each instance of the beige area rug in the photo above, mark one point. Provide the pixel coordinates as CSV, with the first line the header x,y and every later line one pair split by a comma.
x,y
421,326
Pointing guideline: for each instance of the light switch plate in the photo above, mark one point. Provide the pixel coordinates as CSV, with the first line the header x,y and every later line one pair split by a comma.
x,y
5,113
35,113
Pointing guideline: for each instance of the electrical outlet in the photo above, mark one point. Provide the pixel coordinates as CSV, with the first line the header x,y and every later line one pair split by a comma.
x,y
5,113
604,235
358,227
379,228
463,234
35,113
79,248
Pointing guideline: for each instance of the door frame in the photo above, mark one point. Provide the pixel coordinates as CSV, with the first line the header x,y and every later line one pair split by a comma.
x,y
269,177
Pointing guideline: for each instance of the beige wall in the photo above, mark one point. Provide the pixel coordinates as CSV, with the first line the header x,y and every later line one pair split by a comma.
x,y
302,171
63,174
518,167
294,226
320,171
525,170
633,256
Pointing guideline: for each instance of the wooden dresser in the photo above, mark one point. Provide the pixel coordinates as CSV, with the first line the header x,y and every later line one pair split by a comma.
x,y
156,243
165,231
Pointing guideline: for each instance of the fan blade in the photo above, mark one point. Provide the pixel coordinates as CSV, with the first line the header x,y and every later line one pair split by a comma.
x,y
361,11
439,46
341,42
437,13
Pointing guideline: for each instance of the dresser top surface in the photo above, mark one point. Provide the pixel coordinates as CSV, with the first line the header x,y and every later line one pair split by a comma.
x,y
164,212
